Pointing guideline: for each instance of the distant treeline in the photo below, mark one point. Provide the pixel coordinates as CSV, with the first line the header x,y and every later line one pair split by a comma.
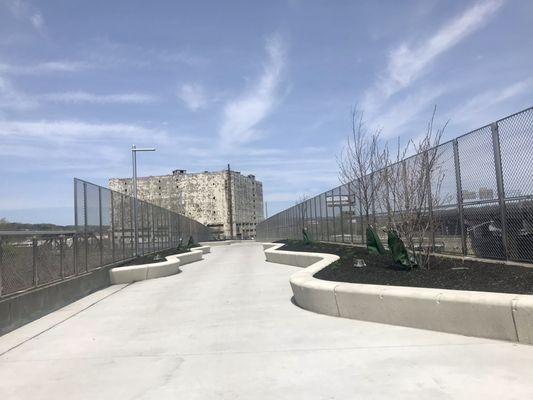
x,y
6,225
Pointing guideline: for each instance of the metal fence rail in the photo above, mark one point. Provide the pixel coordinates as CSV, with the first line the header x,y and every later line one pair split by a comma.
x,y
103,236
486,190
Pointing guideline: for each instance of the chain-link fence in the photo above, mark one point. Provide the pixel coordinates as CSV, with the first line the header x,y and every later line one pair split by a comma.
x,y
485,194
104,235
105,226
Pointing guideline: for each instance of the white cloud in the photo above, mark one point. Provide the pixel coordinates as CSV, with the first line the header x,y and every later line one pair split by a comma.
x,y
193,95
13,99
84,97
408,62
24,11
45,67
65,130
479,109
37,20
242,115
404,113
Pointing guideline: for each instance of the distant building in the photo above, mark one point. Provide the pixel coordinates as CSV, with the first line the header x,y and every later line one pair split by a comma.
x,y
486,193
469,195
229,203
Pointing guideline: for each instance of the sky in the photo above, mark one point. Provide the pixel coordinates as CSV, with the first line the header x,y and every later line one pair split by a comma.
x,y
265,86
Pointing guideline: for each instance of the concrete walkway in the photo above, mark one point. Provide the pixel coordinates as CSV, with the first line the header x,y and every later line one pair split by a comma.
x,y
225,328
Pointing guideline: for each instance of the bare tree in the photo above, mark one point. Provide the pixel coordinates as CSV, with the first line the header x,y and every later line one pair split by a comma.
x,y
413,186
362,156
301,206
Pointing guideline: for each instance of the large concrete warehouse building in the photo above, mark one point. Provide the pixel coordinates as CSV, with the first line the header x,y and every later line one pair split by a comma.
x,y
229,203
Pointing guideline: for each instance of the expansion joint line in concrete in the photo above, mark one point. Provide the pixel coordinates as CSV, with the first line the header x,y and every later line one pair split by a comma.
x,y
63,320
336,300
514,302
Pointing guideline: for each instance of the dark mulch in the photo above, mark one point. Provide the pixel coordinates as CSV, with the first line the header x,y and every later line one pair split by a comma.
x,y
149,259
442,273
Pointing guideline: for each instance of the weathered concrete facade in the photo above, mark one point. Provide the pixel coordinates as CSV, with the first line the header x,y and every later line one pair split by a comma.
x,y
229,203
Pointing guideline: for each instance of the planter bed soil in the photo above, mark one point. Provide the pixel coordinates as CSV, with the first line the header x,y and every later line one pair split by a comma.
x,y
149,258
442,274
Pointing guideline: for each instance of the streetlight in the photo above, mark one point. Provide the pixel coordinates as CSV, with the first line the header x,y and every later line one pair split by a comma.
x,y
134,151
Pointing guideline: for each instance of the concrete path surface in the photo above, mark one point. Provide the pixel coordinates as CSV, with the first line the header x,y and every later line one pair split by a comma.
x,y
225,328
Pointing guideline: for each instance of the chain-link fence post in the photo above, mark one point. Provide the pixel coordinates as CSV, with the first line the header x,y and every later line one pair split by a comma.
x,y
35,280
76,222
61,255
332,202
341,218
122,238
459,189
350,211
1,267
430,201
327,215
153,227
85,238
373,198
113,226
141,235
500,186
100,229
362,223
316,218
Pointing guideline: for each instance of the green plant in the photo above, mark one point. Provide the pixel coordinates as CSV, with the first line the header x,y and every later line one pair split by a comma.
x,y
373,242
306,238
400,255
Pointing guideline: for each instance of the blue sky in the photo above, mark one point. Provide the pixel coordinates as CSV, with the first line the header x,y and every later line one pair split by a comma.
x,y
265,86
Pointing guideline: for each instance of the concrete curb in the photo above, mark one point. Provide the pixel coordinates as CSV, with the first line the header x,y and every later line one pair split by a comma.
x,y
204,249
480,314
217,243
141,272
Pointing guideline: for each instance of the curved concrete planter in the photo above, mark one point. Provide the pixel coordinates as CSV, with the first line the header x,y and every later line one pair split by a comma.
x,y
141,272
481,314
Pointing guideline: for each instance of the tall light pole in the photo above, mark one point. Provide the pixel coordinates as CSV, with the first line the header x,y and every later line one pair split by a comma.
x,y
134,151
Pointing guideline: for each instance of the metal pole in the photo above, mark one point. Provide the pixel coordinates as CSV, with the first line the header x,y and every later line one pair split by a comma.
x,y
362,223
459,196
61,256
327,217
501,189
143,234
135,233
333,214
1,268
315,219
34,261
341,217
85,222
373,198
101,243
112,226
76,235
122,235
430,204
350,211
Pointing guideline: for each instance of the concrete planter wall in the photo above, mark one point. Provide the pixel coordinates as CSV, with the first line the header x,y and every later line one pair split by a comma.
x,y
141,272
481,314
216,243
